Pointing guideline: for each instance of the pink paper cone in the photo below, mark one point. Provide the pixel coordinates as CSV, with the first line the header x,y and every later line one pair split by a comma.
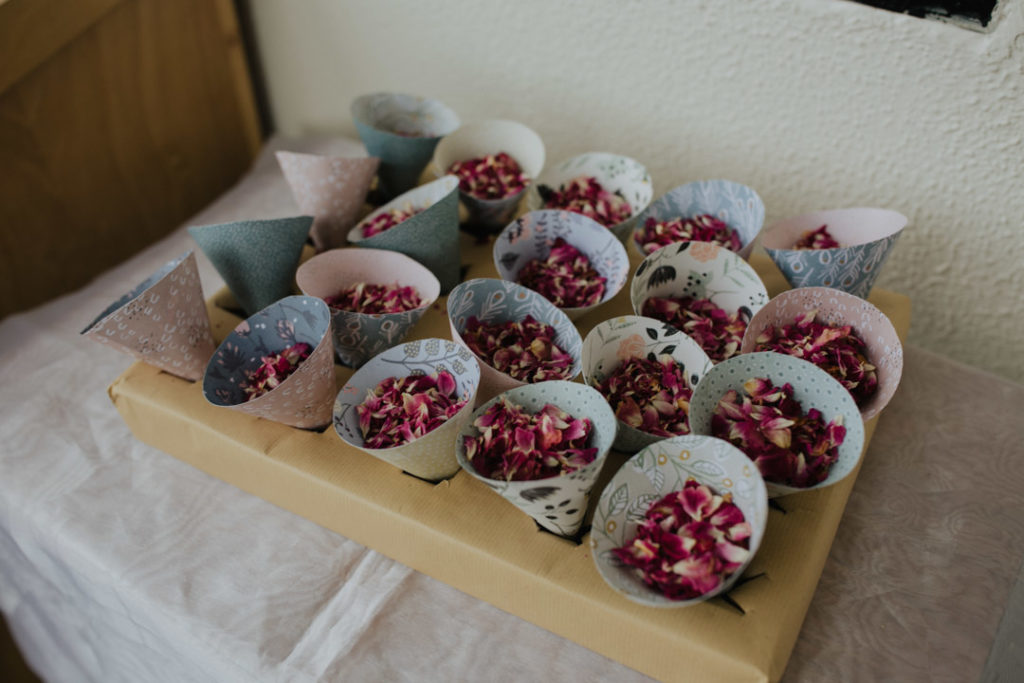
x,y
331,189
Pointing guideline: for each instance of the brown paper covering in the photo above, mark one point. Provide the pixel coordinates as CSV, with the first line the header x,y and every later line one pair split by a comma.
x,y
462,533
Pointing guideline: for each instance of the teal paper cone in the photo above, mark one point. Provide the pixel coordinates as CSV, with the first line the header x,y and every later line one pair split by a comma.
x,y
430,237
402,131
257,258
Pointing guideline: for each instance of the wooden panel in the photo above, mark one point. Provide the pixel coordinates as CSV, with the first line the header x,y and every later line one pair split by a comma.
x,y
119,136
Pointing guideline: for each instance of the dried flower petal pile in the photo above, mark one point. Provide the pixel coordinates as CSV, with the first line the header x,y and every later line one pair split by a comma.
x,y
817,239
769,425
717,331
702,228
650,395
586,196
835,349
525,350
565,277
367,298
514,445
274,369
401,409
689,542
386,220
494,176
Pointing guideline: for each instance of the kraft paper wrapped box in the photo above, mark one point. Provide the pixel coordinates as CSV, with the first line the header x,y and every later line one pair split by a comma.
x,y
497,554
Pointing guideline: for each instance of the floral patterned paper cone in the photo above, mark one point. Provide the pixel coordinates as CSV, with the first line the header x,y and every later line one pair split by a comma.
x,y
331,189
813,388
257,258
360,336
476,140
700,270
557,503
430,236
532,236
499,301
867,237
737,205
402,131
613,342
163,321
657,470
618,174
835,308
430,456
304,399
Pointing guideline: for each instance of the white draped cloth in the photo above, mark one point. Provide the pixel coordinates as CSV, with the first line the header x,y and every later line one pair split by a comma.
x,y
120,563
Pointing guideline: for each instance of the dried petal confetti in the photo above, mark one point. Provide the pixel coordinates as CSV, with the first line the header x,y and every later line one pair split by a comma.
x,y
494,176
585,195
565,278
386,220
835,349
274,369
524,350
650,395
769,425
368,298
817,239
401,409
689,542
701,228
717,331
514,445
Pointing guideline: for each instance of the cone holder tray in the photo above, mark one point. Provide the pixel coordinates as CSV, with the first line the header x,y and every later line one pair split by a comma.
x,y
462,533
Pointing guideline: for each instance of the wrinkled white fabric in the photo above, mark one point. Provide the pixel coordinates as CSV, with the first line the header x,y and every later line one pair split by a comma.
x,y
120,563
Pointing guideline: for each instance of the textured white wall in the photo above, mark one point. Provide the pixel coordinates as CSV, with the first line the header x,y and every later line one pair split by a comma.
x,y
816,104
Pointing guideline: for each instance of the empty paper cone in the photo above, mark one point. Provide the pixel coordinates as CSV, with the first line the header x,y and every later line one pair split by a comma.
x,y
305,397
431,455
331,189
556,503
739,206
361,336
257,258
866,237
431,236
478,140
402,131
163,321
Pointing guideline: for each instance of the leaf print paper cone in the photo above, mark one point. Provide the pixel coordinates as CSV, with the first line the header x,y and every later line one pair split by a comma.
x,y
704,276
163,321
430,235
256,258
737,205
487,213
429,456
359,336
305,396
659,469
494,302
532,237
866,237
623,177
402,131
832,307
331,189
557,503
614,342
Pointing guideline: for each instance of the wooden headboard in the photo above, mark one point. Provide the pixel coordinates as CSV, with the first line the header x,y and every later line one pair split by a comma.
x,y
118,120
